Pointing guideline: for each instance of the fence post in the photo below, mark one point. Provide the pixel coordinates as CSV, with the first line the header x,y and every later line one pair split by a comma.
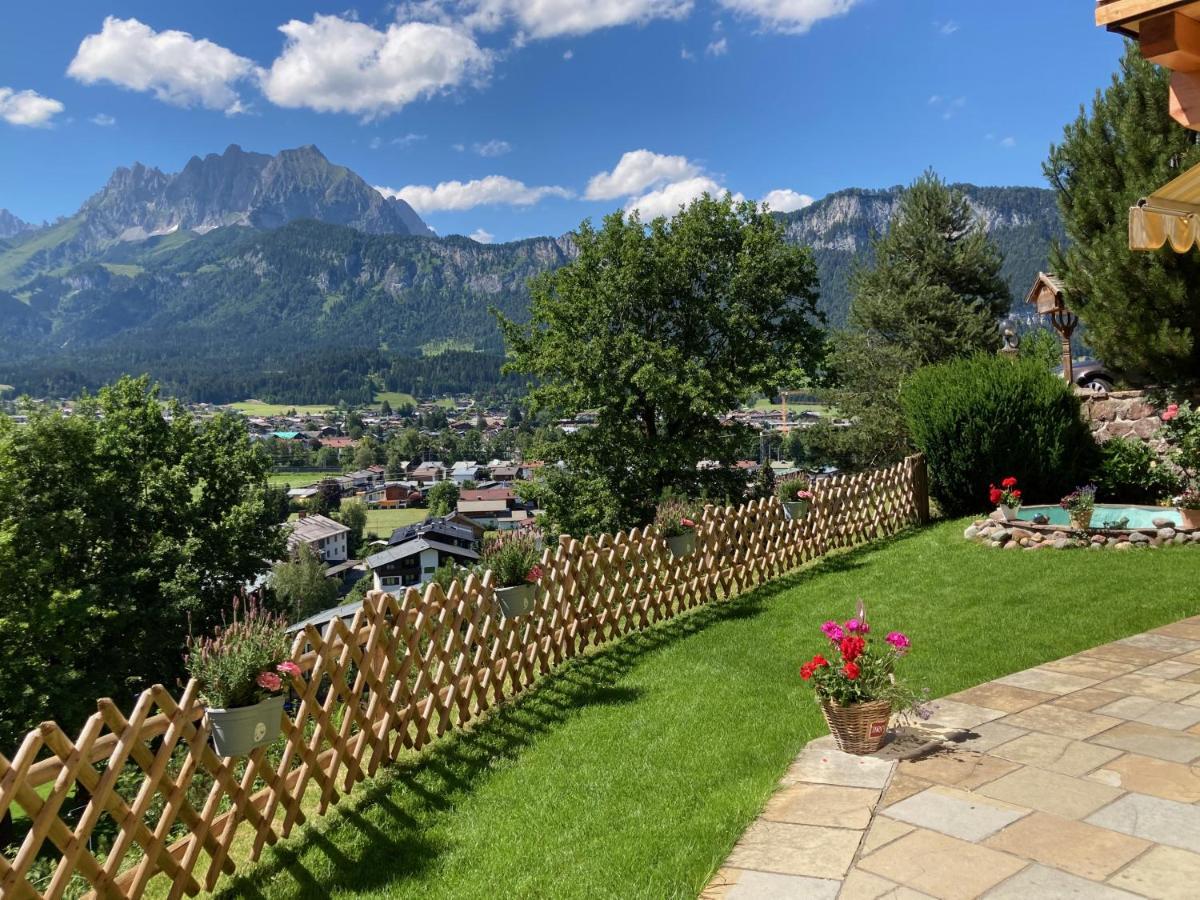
x,y
921,488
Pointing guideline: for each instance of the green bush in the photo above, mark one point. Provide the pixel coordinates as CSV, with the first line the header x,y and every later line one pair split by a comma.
x,y
1130,472
982,418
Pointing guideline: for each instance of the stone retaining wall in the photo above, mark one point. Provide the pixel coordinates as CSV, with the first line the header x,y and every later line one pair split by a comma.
x,y
1030,536
1123,414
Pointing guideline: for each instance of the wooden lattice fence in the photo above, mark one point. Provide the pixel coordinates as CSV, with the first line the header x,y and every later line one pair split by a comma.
x,y
400,674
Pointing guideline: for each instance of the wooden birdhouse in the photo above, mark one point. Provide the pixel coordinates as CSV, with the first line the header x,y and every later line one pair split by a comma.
x,y
1047,297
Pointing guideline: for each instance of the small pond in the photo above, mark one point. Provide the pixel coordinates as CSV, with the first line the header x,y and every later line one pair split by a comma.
x,y
1107,515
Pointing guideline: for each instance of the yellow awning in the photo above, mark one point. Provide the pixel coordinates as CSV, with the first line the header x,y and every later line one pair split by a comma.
x,y
1172,213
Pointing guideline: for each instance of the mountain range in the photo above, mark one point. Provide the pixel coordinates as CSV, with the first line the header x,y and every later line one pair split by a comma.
x,y
243,265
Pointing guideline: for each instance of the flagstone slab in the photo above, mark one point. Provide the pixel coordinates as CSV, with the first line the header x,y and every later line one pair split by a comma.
x,y
1166,873
1090,667
860,885
957,813
1088,699
811,850
1156,688
1056,753
952,714
1043,883
1076,847
901,787
956,768
1047,681
1060,720
1001,696
1160,641
1060,795
751,885
1153,712
1186,630
1170,668
883,831
823,804
835,767
1146,775
1155,819
941,866
983,738
1150,740
1125,653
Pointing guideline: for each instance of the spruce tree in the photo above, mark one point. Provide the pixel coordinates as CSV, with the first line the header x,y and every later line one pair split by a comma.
x,y
1141,309
933,292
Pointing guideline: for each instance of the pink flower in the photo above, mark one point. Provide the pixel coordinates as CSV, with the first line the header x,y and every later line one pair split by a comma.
x,y
833,631
687,523
534,575
858,626
288,668
268,681
899,641
1170,412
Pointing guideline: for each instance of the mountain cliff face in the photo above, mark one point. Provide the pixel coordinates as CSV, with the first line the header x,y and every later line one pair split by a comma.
x,y
233,188
1023,221
11,226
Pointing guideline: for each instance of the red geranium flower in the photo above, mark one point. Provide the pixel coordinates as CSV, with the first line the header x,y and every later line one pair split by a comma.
x,y
852,671
852,647
806,671
1009,482
819,661
995,494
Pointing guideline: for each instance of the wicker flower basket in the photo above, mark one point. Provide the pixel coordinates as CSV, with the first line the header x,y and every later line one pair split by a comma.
x,y
860,728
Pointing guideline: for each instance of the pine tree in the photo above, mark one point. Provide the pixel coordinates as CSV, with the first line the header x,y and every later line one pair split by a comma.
x,y
933,292
1142,310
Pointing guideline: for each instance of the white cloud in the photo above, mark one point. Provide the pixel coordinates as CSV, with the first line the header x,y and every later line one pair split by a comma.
x,y
790,16
949,108
482,237
27,108
636,171
1008,142
947,28
337,65
176,67
460,195
665,201
568,54
104,120
551,18
407,140
785,200
717,48
685,53
492,148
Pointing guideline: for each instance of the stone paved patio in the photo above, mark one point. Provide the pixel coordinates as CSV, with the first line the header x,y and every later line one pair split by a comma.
x,y
1079,778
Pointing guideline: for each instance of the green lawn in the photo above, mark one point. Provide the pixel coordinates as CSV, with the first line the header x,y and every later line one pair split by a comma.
x,y
631,772
395,398
254,408
297,479
384,521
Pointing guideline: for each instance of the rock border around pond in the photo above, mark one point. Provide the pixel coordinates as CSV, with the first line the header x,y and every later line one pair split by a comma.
x,y
991,532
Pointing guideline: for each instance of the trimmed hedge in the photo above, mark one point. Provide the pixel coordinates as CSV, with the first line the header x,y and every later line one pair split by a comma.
x,y
984,417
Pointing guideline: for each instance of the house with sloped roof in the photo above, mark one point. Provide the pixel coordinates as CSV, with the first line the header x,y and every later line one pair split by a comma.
x,y
329,539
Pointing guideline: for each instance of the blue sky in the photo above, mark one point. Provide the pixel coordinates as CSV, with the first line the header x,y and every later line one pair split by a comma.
x,y
510,118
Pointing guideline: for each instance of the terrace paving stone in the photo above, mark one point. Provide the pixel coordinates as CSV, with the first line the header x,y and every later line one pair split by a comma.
x,y
1165,872
1056,753
882,832
834,767
1193,678
1088,699
941,866
983,738
1044,883
1060,720
1047,681
774,886
957,813
952,714
1146,775
1150,740
1075,847
1170,668
811,850
1187,630
1124,653
1060,795
1153,712
860,885
1001,696
955,768
1155,819
823,804
1158,640
1155,688
1090,667
901,787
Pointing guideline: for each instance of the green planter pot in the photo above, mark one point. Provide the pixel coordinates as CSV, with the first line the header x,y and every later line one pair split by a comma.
x,y
516,600
797,509
682,544
237,731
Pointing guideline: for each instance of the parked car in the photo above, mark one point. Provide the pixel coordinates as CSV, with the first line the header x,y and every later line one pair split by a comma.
x,y
1091,374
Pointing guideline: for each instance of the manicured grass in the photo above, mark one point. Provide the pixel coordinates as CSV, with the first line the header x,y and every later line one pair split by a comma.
x,y
297,479
384,521
254,408
631,772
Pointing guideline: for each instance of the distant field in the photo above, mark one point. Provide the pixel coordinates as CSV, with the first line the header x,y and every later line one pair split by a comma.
x,y
384,521
765,404
395,398
123,269
297,479
254,408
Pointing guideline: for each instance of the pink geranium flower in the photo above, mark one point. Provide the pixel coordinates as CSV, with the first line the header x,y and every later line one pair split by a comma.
x,y
899,641
288,668
833,631
858,626
269,681
1170,412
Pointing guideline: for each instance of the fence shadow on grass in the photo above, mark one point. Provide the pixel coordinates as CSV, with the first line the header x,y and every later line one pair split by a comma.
x,y
391,840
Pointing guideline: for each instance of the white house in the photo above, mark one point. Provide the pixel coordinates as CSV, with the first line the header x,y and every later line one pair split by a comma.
x,y
328,538
465,470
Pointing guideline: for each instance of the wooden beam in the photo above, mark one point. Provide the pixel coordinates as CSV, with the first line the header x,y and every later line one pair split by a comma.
x,y
1118,13
1185,99
1171,40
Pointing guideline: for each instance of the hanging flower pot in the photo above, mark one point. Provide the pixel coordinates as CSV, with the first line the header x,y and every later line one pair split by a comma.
x,y
676,522
796,498
516,600
237,731
797,509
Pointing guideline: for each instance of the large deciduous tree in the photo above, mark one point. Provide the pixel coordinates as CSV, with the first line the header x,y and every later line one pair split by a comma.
x,y
658,328
119,525
933,292
1141,309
